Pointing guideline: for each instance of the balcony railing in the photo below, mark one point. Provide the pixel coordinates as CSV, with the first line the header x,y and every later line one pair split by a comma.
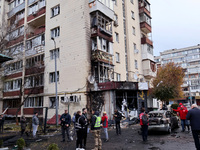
x,y
146,40
101,56
144,10
145,27
16,9
40,12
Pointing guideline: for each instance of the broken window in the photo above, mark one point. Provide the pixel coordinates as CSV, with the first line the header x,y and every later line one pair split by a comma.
x,y
52,102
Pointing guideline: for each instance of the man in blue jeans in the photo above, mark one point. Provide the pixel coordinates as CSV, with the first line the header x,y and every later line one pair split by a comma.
x,y
144,126
194,116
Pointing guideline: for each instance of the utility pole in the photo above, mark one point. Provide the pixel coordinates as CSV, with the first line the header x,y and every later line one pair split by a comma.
x,y
55,55
189,88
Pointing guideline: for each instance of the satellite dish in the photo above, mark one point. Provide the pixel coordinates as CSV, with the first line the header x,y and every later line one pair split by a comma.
x,y
91,79
135,76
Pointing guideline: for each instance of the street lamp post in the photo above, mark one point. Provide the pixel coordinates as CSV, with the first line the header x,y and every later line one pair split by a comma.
x,y
55,55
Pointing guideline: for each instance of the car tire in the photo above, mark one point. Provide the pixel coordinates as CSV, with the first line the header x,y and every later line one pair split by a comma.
x,y
169,130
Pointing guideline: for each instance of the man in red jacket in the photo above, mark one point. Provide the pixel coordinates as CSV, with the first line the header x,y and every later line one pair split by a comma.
x,y
182,112
104,120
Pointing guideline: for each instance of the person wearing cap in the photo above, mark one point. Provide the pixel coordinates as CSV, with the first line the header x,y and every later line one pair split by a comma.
x,y
182,110
2,119
104,119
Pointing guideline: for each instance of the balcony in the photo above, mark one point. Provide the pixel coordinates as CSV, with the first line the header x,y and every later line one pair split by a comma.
x,y
145,27
146,40
147,52
30,111
95,5
35,15
144,10
36,32
15,41
16,9
149,69
98,31
101,56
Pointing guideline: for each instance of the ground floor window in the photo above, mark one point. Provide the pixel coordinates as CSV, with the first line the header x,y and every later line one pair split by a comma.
x,y
52,102
13,103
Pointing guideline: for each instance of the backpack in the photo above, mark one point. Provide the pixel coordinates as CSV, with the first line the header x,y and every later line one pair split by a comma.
x,y
144,119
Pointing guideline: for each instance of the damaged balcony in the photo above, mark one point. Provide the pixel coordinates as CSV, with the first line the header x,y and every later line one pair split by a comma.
x,y
149,68
103,72
101,26
101,56
147,52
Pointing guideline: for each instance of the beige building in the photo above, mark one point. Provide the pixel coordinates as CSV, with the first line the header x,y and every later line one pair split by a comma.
x,y
103,53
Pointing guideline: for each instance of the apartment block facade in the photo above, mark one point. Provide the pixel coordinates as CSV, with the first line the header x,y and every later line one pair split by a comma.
x,y
189,59
103,51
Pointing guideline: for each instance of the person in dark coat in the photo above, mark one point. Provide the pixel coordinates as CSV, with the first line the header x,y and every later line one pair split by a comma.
x,y
194,116
23,125
118,118
80,127
84,113
2,119
65,123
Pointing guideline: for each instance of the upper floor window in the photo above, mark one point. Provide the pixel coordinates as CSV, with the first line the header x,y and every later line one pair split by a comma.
x,y
55,32
133,30
115,1
55,10
15,3
132,15
55,52
118,76
52,77
136,64
117,57
117,37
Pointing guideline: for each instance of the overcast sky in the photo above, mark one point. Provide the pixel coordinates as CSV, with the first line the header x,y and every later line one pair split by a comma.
x,y
175,24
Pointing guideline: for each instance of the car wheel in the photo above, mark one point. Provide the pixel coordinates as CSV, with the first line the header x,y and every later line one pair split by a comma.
x,y
169,130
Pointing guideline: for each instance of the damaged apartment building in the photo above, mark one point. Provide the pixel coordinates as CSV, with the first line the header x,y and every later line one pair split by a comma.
x,y
103,50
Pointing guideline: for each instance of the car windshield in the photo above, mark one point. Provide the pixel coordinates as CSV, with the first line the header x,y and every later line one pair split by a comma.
x,y
156,115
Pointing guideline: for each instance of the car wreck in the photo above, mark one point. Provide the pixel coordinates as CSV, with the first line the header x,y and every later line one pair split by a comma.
x,y
162,120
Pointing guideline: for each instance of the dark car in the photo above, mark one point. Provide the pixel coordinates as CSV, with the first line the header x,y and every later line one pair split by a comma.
x,y
162,120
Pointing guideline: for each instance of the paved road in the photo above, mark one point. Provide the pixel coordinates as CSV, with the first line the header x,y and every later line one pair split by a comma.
x,y
130,140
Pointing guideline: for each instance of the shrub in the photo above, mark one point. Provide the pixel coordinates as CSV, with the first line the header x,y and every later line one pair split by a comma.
x,y
20,143
1,143
53,146
174,106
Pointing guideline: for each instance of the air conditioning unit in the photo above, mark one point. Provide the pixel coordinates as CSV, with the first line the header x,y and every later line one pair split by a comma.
x,y
115,23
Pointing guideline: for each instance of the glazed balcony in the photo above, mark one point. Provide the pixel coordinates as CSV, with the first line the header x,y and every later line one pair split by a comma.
x,y
149,68
38,15
106,9
16,9
101,56
147,52
146,40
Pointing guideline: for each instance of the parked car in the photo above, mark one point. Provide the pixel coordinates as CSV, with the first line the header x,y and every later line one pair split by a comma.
x,y
162,120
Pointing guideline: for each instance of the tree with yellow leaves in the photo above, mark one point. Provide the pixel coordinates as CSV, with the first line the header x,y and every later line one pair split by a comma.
x,y
167,83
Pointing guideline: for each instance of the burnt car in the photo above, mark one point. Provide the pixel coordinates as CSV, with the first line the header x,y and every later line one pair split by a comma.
x,y
162,120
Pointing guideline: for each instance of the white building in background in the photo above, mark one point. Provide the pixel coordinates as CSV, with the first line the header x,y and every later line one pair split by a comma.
x,y
103,51
189,59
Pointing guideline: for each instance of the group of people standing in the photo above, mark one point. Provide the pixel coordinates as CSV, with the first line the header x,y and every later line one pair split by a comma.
x,y
81,124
